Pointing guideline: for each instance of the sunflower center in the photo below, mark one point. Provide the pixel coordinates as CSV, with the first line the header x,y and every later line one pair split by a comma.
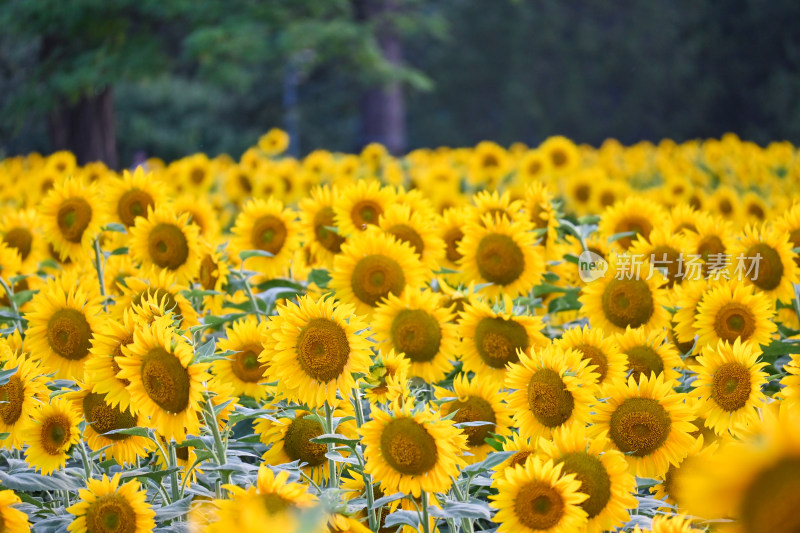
x,y
12,394
168,246
731,386
330,240
375,277
111,513
519,458
596,357
583,193
539,505
671,259
451,239
548,398
607,198
644,361
417,334
246,366
595,481
734,321
709,245
55,434
298,445
74,216
274,503
69,334
408,447
407,234
500,260
268,234
132,204
794,238
104,418
627,302
497,341
21,240
771,501
767,262
159,295
637,224
209,273
323,349
639,426
365,212
165,380
118,353
474,409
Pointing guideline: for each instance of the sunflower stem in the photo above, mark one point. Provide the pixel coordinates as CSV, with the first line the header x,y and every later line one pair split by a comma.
x,y
372,514
88,466
250,295
466,523
332,482
210,416
13,304
426,527
173,476
98,266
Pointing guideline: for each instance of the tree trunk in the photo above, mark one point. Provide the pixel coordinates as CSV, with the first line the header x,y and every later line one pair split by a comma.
x,y
383,107
87,128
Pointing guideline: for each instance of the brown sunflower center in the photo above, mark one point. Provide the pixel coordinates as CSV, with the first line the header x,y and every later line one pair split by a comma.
x,y
539,506
794,239
548,398
268,234
452,237
644,361
594,479
132,204
274,503
21,240
519,458
668,259
627,302
771,500
639,426
407,234
710,245
764,265
596,357
497,341
734,321
159,295
167,246
375,277
582,193
474,409
298,445
74,216
731,386
365,212
323,349
104,418
328,239
118,353
637,224
417,334
608,198
110,513
209,273
69,334
55,434
500,260
408,447
246,366
165,380
12,394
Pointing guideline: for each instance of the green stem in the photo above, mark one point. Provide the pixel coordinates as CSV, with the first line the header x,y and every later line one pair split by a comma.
x,y
13,304
332,482
250,295
88,466
466,523
426,527
220,449
372,514
98,266
173,476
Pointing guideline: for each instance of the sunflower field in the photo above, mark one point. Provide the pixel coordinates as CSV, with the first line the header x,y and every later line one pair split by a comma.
x,y
560,338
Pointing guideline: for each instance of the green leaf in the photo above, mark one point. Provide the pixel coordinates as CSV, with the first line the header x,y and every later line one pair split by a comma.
x,y
335,438
473,509
119,251
136,432
205,351
320,277
23,297
115,227
247,254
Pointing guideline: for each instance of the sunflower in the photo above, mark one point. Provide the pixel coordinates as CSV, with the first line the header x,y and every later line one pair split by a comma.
x,y
616,302
213,276
523,447
476,400
731,310
274,142
541,211
579,189
26,388
388,377
246,367
165,240
533,166
195,174
101,368
687,298
764,259
360,204
451,229
21,230
711,240
202,214
494,205
108,505
602,473
669,524
127,198
602,352
70,219
725,202
165,385
649,353
664,249
417,327
314,347
12,520
159,285
551,388
503,254
634,214
789,225
492,338
61,324
537,496
372,266
317,221
416,229
489,163
647,421
49,433
665,489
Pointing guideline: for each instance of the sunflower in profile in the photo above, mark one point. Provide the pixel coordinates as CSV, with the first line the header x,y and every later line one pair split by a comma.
x,y
617,302
538,496
476,400
387,378
49,433
372,266
602,473
732,310
26,388
790,393
246,367
767,262
13,520
129,197
70,218
503,254
417,327
165,385
101,368
541,211
687,298
415,228
550,388
492,338
21,230
202,213
274,142
213,276
647,421
523,448
634,214
601,350
159,286
318,224
649,353
62,323
266,226
108,505
360,204
314,347
412,450
451,229
789,224
165,240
